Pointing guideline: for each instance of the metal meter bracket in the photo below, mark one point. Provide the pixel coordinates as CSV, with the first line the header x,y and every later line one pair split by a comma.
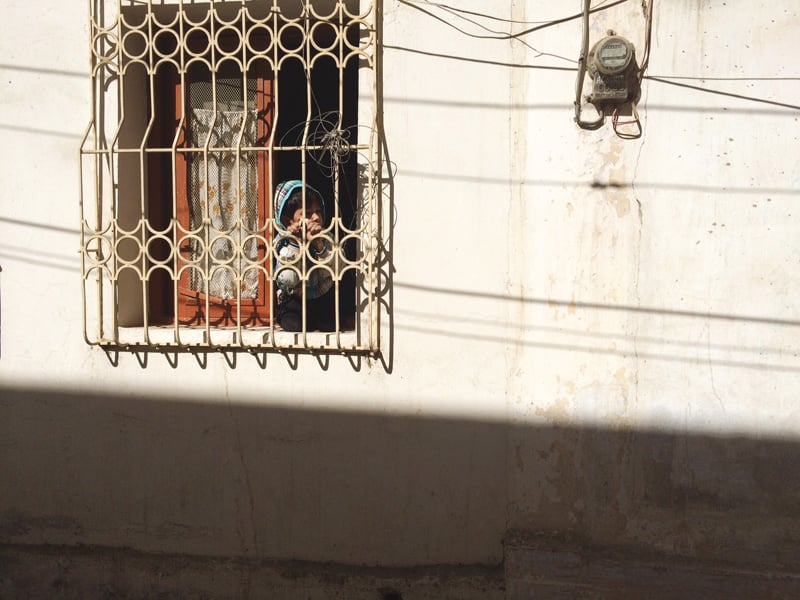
x,y
611,64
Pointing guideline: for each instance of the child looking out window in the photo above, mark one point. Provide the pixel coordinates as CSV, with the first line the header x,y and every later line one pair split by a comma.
x,y
300,238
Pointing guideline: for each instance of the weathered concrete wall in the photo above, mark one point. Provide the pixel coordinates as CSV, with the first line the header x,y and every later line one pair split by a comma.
x,y
655,275
594,340
77,573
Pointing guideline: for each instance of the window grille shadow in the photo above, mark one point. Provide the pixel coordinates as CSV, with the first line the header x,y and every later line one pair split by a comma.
x,y
172,358
230,358
202,358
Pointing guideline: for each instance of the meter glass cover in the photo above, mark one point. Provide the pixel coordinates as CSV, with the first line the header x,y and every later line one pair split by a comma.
x,y
613,54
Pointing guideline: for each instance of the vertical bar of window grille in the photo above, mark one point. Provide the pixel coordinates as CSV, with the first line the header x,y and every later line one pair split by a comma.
x,y
374,248
97,164
114,164
81,197
81,202
303,163
112,149
271,226
341,27
206,219
93,222
144,152
372,221
239,261
335,224
176,261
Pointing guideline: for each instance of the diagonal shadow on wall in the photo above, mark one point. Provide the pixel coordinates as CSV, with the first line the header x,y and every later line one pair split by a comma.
x,y
205,478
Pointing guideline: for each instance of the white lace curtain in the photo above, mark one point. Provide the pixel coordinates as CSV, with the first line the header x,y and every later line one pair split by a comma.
x,y
226,191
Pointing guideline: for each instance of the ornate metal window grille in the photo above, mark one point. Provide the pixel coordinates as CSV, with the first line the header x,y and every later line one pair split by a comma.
x,y
199,111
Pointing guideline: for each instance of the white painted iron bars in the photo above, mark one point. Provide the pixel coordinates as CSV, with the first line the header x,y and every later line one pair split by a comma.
x,y
198,111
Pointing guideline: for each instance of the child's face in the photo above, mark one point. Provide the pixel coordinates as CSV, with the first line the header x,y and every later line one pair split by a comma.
x,y
312,214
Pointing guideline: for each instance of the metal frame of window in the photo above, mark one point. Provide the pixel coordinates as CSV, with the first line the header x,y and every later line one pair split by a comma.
x,y
125,249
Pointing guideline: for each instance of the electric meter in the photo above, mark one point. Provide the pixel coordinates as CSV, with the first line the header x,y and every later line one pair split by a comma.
x,y
612,66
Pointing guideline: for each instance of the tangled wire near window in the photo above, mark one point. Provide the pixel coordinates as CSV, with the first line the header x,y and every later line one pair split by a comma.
x,y
333,142
327,142
330,147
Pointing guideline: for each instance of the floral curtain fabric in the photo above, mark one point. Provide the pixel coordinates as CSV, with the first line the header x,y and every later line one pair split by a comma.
x,y
224,189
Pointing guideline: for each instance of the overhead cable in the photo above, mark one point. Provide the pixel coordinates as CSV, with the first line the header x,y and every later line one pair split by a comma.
x,y
497,35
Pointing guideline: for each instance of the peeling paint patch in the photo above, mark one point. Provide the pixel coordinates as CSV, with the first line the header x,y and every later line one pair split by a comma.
x,y
559,411
621,203
623,381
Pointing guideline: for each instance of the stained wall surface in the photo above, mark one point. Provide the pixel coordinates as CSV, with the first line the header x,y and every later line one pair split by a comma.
x,y
593,340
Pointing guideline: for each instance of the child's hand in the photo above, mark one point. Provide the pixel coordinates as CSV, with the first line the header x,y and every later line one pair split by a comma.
x,y
295,228
313,227
303,228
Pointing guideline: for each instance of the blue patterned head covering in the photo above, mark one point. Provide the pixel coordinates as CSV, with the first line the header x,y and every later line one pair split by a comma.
x,y
284,191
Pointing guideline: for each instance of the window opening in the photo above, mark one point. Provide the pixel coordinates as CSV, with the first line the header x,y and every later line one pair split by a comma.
x,y
200,111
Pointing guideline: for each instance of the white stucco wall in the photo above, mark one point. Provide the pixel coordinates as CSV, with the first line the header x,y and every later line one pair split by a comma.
x,y
593,338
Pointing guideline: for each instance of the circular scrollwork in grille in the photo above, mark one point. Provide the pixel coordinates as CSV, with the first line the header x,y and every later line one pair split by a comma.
x,y
160,250
259,12
134,45
368,6
259,39
197,41
228,41
250,250
355,240
98,250
134,19
128,249
192,249
105,49
358,36
222,9
203,18
291,38
324,36
166,43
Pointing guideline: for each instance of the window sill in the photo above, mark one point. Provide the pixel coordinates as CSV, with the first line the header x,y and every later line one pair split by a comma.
x,y
255,339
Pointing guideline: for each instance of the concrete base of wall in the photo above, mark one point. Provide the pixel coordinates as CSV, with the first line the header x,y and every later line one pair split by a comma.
x,y
539,568
533,569
81,572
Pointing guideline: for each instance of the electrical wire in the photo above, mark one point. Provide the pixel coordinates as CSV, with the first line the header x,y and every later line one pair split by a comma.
x,y
597,123
605,4
454,9
492,36
459,13
615,122
668,81
675,80
479,61
627,135
648,32
712,78
496,35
